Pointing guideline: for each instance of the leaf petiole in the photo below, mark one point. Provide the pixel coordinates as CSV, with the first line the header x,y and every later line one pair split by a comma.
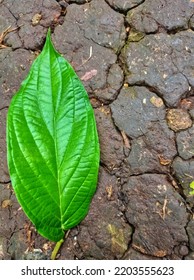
x,y
58,246
56,249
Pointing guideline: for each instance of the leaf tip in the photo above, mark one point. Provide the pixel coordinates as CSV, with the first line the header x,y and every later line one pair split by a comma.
x,y
49,34
49,43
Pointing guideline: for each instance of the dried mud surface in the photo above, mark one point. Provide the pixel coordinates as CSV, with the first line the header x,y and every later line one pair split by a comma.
x,y
136,60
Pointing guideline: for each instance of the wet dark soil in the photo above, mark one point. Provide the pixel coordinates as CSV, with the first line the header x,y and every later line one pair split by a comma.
x,y
136,60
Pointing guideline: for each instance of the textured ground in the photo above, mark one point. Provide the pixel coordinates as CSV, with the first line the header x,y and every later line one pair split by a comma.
x,y
136,60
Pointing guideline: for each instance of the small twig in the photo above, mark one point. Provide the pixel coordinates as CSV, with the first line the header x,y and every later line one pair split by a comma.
x,y
125,139
90,55
164,209
4,34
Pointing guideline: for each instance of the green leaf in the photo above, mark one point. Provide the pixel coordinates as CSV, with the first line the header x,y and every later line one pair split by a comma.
x,y
192,187
52,145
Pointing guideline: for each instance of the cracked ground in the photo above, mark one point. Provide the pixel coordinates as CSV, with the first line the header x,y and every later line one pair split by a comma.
x,y
136,60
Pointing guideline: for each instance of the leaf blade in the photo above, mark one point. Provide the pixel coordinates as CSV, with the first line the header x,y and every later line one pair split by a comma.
x,y
52,144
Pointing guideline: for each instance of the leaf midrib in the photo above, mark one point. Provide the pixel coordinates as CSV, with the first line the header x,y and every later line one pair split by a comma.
x,y
54,126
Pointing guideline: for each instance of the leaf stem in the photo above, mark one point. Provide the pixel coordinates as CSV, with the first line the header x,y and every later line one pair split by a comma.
x,y
56,249
58,246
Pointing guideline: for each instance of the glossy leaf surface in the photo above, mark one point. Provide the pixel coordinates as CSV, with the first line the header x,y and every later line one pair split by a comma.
x,y
52,145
